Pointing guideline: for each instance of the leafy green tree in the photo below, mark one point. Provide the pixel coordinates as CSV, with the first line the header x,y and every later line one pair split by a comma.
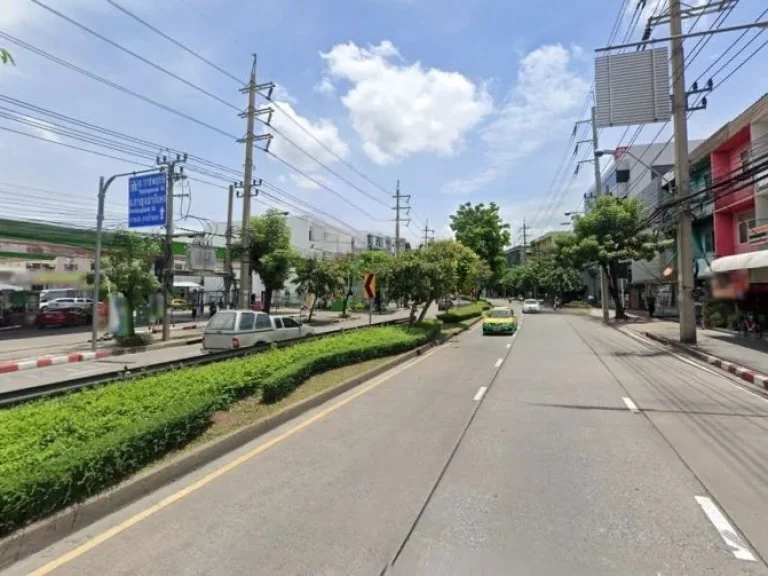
x,y
269,252
613,231
481,229
442,268
322,278
129,270
349,270
5,56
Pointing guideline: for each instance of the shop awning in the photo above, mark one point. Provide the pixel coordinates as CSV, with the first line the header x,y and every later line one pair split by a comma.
x,y
187,284
747,261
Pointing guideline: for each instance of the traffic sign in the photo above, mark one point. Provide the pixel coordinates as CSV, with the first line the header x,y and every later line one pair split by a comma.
x,y
369,286
147,200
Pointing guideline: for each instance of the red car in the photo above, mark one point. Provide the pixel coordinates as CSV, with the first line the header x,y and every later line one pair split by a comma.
x,y
63,317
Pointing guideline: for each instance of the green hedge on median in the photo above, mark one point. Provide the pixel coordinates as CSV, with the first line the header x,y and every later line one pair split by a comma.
x,y
462,313
59,451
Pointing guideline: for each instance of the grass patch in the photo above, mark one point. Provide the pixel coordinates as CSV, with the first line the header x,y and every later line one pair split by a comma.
x,y
58,451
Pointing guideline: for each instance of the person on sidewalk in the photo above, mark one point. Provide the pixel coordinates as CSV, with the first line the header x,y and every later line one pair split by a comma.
x,y
651,305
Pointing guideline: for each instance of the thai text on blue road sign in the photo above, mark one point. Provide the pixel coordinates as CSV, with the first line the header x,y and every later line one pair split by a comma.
x,y
147,200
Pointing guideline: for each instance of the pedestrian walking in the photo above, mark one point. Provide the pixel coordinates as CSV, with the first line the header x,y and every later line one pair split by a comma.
x,y
651,305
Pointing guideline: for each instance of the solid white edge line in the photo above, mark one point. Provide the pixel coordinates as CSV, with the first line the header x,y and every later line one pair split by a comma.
x,y
630,404
498,362
727,533
480,393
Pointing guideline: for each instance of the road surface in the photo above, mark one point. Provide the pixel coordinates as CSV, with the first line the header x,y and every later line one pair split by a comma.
x,y
569,449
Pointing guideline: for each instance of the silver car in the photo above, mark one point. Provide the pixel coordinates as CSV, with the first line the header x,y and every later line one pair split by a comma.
x,y
531,306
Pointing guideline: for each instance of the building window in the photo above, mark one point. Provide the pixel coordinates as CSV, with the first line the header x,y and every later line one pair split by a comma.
x,y
311,235
708,241
746,223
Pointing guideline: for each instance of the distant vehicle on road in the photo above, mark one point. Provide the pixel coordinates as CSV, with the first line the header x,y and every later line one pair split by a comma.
x,y
231,329
530,306
499,321
63,317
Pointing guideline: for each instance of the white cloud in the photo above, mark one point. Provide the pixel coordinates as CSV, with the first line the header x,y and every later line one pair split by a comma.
x,y
401,109
323,130
537,110
281,94
306,183
325,86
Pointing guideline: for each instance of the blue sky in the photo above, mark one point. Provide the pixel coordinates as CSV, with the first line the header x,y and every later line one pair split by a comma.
x,y
460,101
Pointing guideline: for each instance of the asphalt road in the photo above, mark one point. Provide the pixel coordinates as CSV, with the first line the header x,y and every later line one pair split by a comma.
x,y
39,376
569,449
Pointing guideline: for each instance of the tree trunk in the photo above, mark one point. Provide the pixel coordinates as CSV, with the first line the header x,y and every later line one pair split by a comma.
x,y
424,310
312,308
130,326
267,300
613,290
413,313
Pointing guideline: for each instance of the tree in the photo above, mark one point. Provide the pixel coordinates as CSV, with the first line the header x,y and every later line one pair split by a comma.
x,y
481,229
349,270
613,231
319,277
129,270
444,267
269,252
5,56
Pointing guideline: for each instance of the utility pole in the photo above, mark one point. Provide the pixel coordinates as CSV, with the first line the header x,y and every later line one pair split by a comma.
x,y
398,219
427,231
599,192
686,307
250,115
228,269
525,242
170,166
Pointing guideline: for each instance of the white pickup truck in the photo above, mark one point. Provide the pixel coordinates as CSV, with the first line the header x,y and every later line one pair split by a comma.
x,y
231,329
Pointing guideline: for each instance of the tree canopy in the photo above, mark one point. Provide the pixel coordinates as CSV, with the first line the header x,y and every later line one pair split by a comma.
x,y
322,278
5,56
481,229
270,253
614,230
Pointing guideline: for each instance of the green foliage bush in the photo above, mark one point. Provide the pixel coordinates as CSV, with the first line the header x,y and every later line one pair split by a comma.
x,y
464,312
59,451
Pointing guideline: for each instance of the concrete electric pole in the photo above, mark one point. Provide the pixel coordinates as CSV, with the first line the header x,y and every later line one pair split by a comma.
x,y
170,166
398,219
228,269
250,138
427,232
686,307
598,192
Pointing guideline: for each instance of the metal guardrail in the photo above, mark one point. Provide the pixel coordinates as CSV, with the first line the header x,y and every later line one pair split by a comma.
x,y
13,397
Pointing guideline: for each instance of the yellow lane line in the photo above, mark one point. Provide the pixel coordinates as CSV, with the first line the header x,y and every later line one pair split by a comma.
x,y
186,491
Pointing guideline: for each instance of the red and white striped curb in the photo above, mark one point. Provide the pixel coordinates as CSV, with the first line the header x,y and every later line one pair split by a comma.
x,y
45,361
744,373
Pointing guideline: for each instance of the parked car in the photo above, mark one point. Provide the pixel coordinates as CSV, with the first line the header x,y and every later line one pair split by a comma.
x,y
231,329
62,303
531,305
72,316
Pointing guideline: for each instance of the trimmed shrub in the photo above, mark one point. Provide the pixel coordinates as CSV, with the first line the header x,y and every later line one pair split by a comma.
x,y
461,313
58,451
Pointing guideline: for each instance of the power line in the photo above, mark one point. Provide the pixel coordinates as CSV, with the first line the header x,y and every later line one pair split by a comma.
x,y
135,55
173,41
111,84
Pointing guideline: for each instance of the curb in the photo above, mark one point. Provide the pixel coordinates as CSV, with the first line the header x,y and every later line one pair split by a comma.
x,y
746,374
42,534
45,361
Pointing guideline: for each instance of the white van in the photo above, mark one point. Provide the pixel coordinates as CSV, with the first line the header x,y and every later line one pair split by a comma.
x,y
231,329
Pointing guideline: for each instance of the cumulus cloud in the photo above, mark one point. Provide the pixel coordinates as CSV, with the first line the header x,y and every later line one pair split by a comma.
x,y
325,86
548,91
401,109
298,131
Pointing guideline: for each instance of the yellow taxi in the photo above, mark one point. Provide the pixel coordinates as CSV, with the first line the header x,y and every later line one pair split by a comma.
x,y
499,321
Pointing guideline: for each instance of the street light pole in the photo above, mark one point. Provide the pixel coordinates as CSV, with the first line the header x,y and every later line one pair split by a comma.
x,y
598,192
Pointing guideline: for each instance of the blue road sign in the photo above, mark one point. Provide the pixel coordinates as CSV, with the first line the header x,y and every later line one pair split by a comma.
x,y
147,200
